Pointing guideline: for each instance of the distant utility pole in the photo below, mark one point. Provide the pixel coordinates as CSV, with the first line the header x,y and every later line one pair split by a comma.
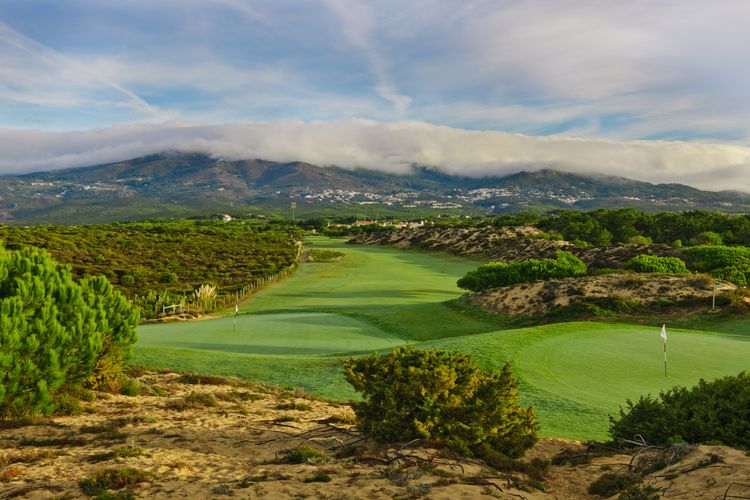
x,y
293,205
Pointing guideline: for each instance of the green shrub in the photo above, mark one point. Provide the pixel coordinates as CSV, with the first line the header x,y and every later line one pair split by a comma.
x,y
733,274
646,263
710,411
708,238
729,263
639,493
411,393
612,483
497,274
294,406
320,477
117,321
304,454
113,479
55,334
640,240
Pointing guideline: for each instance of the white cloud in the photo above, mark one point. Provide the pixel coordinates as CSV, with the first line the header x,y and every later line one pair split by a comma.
x,y
358,25
391,147
36,74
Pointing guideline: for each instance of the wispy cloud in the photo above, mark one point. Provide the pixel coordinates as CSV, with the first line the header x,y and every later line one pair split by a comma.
x,y
392,147
61,71
358,25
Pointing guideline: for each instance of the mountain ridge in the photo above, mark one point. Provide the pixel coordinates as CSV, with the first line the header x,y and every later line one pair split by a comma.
x,y
179,184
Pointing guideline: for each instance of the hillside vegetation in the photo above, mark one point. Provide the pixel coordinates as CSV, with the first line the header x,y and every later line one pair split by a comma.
x,y
166,255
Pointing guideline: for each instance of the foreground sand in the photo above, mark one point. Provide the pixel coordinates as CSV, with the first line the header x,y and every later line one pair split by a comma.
x,y
233,440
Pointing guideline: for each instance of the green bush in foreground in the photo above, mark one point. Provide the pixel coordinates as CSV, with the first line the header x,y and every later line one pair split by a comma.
x,y
55,333
411,394
496,274
646,263
710,411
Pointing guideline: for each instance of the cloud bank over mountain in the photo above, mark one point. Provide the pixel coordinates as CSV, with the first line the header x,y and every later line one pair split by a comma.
x,y
391,147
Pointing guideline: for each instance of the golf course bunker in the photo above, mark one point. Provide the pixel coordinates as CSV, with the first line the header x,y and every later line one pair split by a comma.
x,y
282,334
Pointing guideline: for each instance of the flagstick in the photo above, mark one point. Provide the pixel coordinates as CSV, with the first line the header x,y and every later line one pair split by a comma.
x,y
664,337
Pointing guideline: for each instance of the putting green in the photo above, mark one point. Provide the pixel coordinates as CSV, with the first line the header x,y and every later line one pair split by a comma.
x,y
282,334
577,374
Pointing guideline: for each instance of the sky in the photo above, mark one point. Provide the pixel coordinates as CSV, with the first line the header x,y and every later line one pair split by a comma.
x,y
656,91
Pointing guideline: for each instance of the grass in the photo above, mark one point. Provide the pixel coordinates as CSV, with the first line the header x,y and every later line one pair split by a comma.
x,y
121,452
104,480
298,332
303,455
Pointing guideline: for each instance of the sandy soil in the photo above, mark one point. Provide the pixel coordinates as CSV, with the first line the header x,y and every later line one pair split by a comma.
x,y
531,299
507,244
234,440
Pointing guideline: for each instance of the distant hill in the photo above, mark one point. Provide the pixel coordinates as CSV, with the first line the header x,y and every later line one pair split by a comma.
x,y
184,184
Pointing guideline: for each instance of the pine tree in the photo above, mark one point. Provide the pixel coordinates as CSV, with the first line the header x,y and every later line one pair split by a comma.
x,y
52,330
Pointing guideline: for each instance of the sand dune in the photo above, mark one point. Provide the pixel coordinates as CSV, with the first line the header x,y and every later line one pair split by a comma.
x,y
218,440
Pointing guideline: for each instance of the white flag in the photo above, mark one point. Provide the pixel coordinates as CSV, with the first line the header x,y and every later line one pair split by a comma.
x,y
664,332
236,309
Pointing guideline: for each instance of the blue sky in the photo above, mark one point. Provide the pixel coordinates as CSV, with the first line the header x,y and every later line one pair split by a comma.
x,y
607,72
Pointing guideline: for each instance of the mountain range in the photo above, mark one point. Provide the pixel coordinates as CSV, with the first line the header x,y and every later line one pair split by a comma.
x,y
193,184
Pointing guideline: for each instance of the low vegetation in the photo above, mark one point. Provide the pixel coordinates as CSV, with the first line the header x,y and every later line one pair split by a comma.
x,y
727,263
628,225
430,394
303,455
645,263
104,480
160,263
496,274
717,411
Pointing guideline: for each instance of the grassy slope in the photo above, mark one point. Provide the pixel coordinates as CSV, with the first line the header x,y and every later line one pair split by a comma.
x,y
298,332
576,374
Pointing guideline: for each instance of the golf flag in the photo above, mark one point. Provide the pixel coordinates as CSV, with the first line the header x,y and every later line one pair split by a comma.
x,y
237,311
664,336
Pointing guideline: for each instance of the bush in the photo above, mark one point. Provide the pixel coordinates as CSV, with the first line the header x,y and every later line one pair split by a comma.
x,y
55,334
728,263
646,263
304,454
114,479
411,394
710,411
497,274
612,483
708,238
